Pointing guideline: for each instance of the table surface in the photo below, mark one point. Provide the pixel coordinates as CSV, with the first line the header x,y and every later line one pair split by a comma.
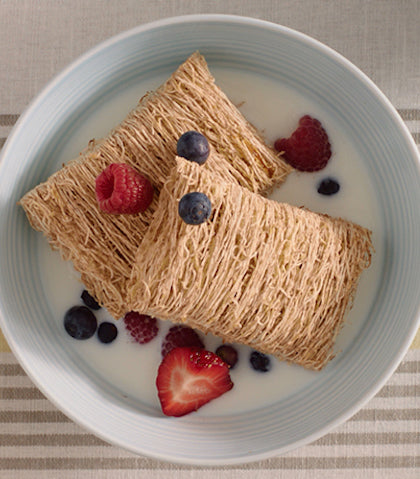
x,y
40,37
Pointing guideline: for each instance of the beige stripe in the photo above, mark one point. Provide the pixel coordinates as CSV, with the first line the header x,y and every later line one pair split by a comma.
x,y
8,119
99,463
399,390
32,416
51,440
11,370
416,137
387,415
409,114
2,142
409,367
21,393
357,439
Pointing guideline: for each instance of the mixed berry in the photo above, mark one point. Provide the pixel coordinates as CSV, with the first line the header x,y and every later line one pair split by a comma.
x,y
189,376
141,327
80,322
120,189
328,187
89,300
260,362
228,354
180,336
308,148
193,146
107,332
194,208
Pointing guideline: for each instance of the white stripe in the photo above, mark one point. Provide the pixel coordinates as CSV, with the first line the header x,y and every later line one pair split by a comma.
x,y
5,130
44,428
16,382
409,402
7,358
26,405
413,125
404,379
377,426
364,450
412,355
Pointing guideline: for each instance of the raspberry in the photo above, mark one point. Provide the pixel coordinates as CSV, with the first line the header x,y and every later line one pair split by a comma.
x,y
181,336
308,149
142,328
120,189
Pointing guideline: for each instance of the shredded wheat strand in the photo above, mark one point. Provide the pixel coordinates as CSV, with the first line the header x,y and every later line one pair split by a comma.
x,y
266,274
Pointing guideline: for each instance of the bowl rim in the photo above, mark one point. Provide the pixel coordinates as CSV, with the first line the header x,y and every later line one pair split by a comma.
x,y
25,117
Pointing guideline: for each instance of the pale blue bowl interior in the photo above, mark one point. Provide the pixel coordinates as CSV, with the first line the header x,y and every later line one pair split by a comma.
x,y
391,157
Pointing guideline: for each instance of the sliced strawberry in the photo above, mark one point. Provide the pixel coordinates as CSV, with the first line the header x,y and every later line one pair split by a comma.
x,y
188,378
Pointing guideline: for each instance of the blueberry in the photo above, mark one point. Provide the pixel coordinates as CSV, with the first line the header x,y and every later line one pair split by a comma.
x,y
228,354
80,322
193,146
260,362
89,300
194,208
107,332
328,186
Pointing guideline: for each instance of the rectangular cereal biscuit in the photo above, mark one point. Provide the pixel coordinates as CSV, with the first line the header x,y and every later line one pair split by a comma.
x,y
101,246
266,274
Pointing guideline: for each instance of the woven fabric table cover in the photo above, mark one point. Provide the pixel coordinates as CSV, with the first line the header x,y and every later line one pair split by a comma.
x,y
40,37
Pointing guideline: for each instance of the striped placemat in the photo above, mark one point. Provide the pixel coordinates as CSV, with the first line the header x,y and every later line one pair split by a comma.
x,y
382,440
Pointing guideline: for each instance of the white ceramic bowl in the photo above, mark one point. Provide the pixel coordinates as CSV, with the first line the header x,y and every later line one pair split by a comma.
x,y
391,157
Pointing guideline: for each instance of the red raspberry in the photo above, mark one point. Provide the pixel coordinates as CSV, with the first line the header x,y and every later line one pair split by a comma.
x,y
142,328
120,189
308,149
181,336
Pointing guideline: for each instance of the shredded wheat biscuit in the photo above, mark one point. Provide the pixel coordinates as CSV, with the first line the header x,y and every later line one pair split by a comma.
x,y
266,274
101,246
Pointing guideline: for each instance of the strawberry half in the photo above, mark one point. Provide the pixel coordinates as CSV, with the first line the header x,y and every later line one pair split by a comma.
x,y
188,378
